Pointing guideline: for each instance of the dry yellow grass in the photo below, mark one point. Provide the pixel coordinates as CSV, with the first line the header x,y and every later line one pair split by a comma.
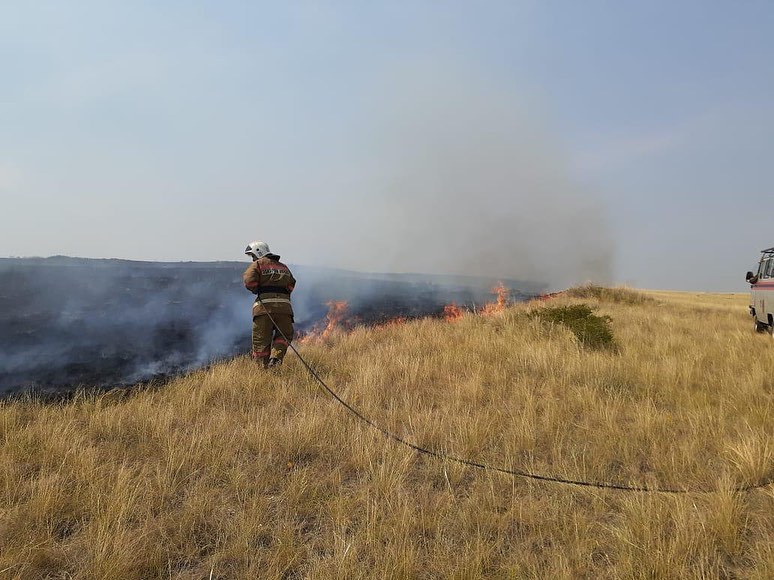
x,y
234,472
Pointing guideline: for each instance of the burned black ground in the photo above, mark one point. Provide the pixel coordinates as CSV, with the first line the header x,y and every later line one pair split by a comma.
x,y
67,322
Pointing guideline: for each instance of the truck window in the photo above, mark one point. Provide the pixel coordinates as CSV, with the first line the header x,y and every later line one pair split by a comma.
x,y
766,268
770,268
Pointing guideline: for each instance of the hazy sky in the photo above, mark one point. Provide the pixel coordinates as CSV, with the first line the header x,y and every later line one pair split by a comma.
x,y
183,130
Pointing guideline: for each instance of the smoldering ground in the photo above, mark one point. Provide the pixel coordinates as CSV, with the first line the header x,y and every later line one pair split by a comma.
x,y
95,322
66,321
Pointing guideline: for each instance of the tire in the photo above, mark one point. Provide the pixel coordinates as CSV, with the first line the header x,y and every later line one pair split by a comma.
x,y
760,326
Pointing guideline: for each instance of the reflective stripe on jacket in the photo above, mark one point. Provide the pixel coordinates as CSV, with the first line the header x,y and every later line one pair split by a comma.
x,y
272,281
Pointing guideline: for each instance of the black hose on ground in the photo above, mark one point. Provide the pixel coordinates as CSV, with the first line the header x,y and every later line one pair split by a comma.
x,y
508,471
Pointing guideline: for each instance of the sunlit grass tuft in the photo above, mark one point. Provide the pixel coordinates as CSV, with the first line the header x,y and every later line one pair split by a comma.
x,y
617,295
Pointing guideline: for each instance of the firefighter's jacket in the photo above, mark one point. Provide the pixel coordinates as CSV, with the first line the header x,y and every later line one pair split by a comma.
x,y
272,282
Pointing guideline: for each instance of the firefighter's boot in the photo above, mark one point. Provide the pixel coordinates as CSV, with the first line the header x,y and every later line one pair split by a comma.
x,y
274,362
261,360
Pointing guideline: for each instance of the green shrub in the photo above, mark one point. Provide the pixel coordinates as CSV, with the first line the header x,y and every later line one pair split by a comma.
x,y
591,330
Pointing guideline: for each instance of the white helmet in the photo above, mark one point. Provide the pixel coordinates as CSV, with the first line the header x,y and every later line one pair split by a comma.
x,y
257,249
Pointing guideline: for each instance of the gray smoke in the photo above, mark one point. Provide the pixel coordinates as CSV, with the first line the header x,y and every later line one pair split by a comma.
x,y
466,178
454,176
99,322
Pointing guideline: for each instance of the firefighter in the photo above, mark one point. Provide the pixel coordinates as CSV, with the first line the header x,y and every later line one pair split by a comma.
x,y
272,282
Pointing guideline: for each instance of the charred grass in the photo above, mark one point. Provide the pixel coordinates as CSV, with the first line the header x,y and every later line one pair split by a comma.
x,y
233,472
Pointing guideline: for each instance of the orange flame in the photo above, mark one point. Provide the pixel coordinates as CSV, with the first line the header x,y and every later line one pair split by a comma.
x,y
337,309
502,293
452,312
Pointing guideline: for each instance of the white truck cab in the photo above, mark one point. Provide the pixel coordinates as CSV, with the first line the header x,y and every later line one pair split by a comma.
x,y
762,293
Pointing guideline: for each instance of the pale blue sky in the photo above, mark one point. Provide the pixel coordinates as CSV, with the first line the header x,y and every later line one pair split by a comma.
x,y
182,130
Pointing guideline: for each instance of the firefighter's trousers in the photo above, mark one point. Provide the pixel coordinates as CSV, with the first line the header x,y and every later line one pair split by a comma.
x,y
267,339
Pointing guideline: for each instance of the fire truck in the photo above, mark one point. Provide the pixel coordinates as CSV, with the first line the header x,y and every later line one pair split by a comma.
x,y
762,293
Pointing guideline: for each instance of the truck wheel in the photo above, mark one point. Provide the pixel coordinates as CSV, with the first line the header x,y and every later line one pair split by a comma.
x,y
760,326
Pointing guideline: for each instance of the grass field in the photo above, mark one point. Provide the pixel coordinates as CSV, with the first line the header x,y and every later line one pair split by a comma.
x,y
235,472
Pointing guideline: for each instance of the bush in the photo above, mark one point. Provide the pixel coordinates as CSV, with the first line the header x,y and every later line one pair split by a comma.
x,y
591,330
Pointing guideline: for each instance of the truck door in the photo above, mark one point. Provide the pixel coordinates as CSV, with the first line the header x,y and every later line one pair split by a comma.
x,y
757,294
766,299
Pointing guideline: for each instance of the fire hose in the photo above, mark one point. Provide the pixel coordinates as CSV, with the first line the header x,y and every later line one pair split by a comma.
x,y
484,467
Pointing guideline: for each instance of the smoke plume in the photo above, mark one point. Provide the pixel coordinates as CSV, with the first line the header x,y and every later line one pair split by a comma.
x,y
446,174
467,178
